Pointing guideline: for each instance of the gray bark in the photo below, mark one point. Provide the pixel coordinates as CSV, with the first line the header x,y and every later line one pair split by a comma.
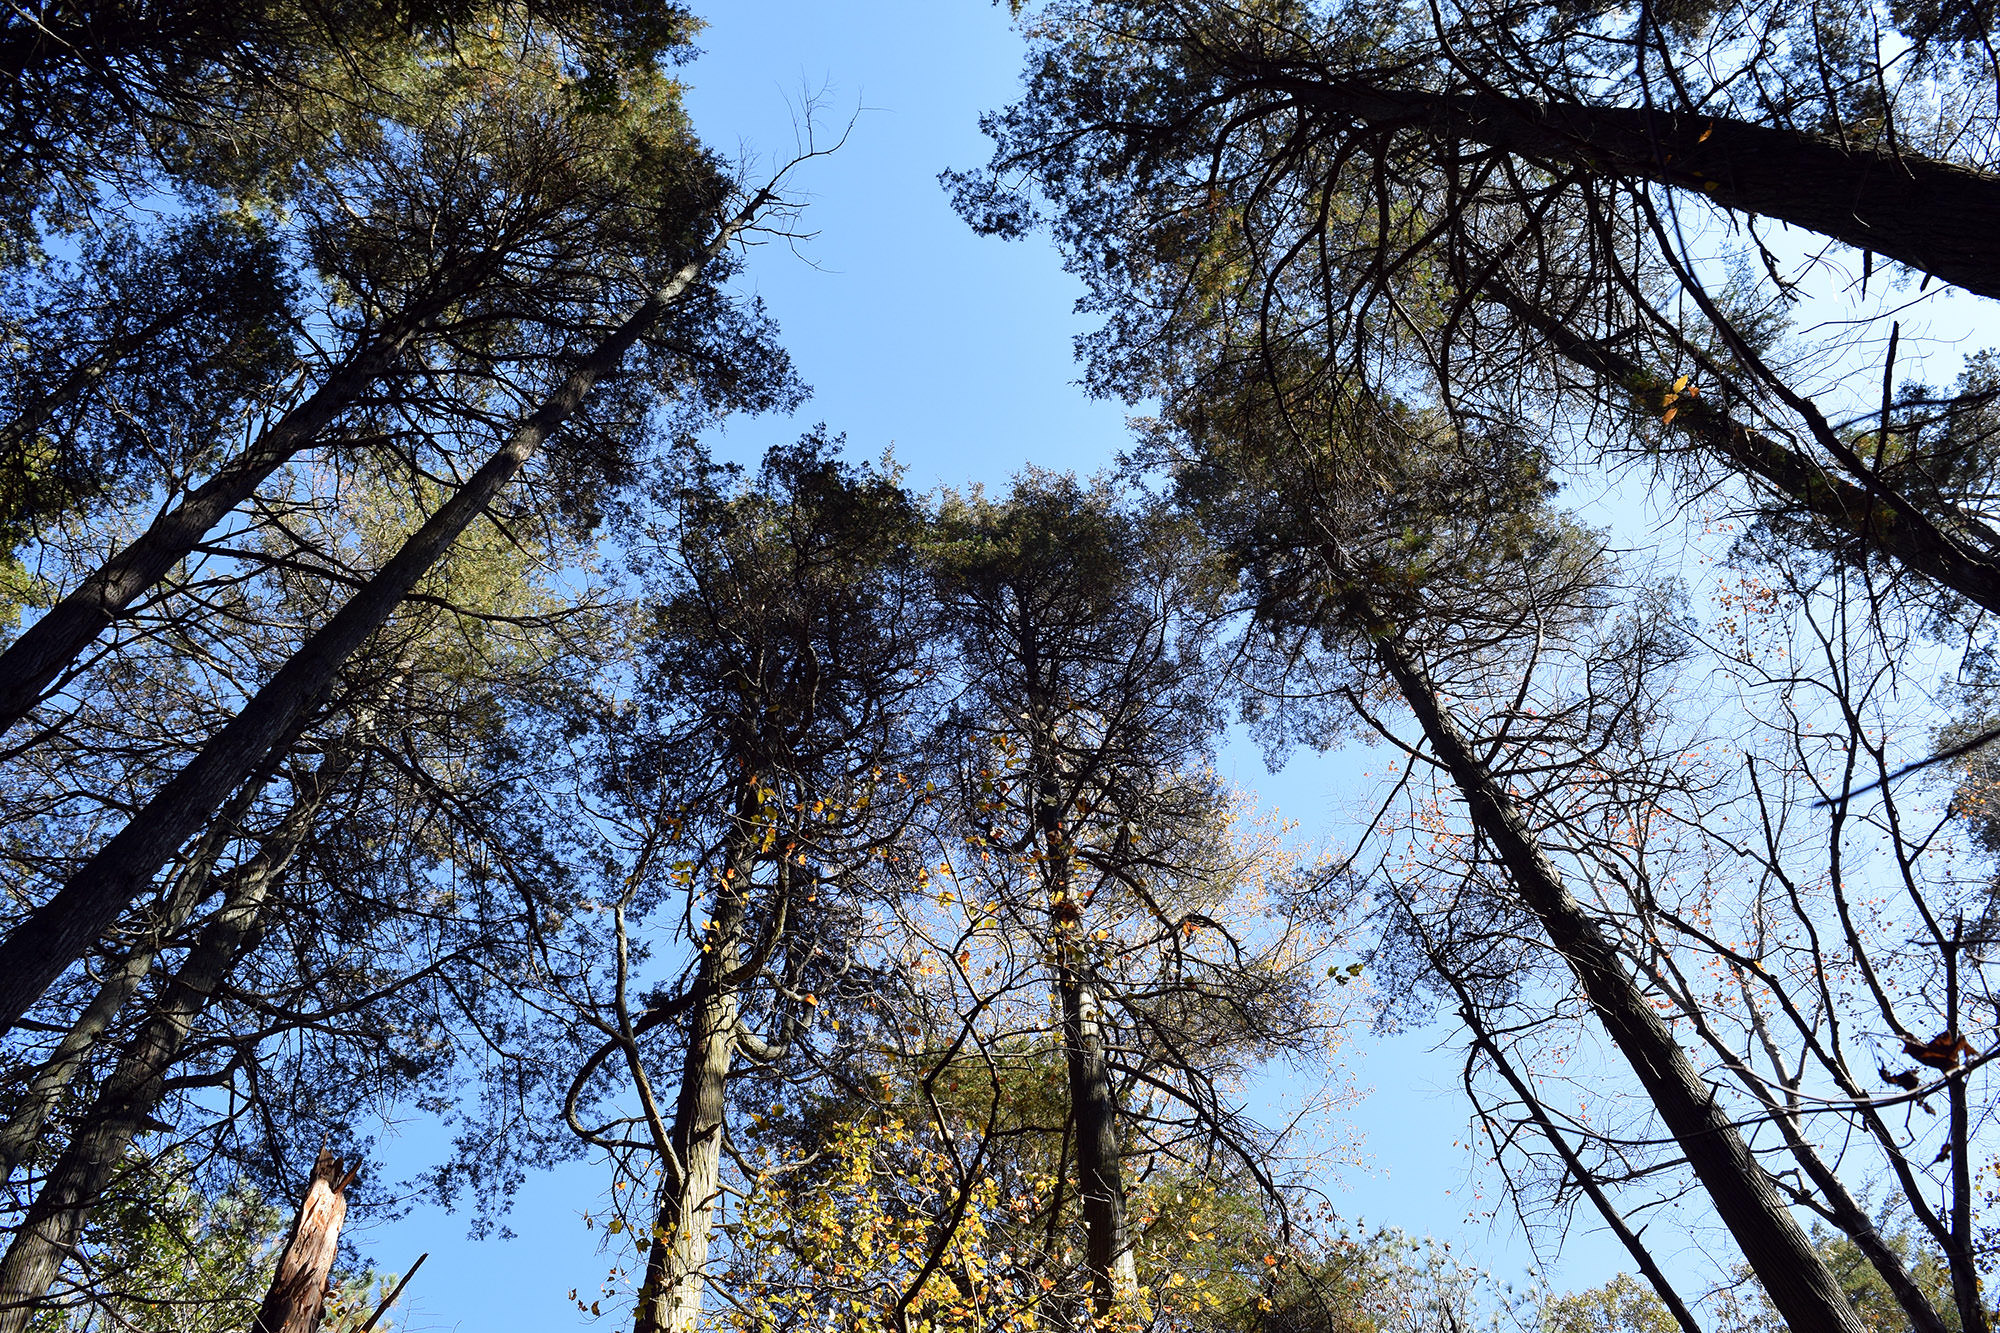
x,y
677,1255
1798,1283
47,647
54,1222
1100,1173
192,885
1114,1275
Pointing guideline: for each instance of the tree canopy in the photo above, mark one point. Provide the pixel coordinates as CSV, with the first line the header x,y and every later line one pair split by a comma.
x,y
411,710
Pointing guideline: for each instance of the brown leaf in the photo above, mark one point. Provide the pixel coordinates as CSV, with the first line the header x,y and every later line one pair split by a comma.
x,y
1943,1051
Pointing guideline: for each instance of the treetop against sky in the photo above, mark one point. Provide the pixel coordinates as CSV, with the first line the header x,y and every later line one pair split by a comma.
x,y
1143,664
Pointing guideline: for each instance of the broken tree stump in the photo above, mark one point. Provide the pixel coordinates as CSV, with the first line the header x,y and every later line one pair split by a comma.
x,y
298,1289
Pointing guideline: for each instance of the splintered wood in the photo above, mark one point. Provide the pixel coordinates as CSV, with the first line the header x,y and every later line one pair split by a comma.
x,y
298,1290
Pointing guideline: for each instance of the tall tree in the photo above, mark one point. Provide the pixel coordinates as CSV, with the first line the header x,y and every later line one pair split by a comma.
x,y
752,779
1389,548
1080,736
56,933
354,976
464,240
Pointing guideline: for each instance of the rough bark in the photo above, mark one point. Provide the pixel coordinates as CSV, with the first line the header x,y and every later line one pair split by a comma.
x,y
191,887
1857,1226
56,934
298,1288
1804,1293
1114,1275
677,1256
1100,1174
54,1222
1934,216
1100,1178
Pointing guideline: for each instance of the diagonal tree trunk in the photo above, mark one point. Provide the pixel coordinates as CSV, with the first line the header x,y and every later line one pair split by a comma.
x,y
23,1129
192,885
298,1288
56,934
1880,520
1797,1281
1934,216
62,633
54,1222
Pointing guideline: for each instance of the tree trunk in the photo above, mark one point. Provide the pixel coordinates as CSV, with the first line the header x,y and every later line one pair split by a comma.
x,y
62,632
56,934
1100,1175
192,885
298,1288
1114,1274
50,645
1960,1252
54,1222
1934,216
1857,1226
1892,525
1798,1283
1093,1104
677,1255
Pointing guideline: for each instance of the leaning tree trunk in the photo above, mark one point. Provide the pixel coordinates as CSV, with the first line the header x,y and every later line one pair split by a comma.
x,y
677,1256
60,635
1935,216
57,933
298,1288
1793,1275
193,883
1872,515
54,1222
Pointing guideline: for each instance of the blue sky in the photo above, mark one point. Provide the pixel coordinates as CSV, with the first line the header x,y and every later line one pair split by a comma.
x,y
956,352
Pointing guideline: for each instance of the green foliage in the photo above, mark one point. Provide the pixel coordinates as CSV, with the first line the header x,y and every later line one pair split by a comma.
x,y
1622,1305
215,93
1863,1284
129,366
171,1259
